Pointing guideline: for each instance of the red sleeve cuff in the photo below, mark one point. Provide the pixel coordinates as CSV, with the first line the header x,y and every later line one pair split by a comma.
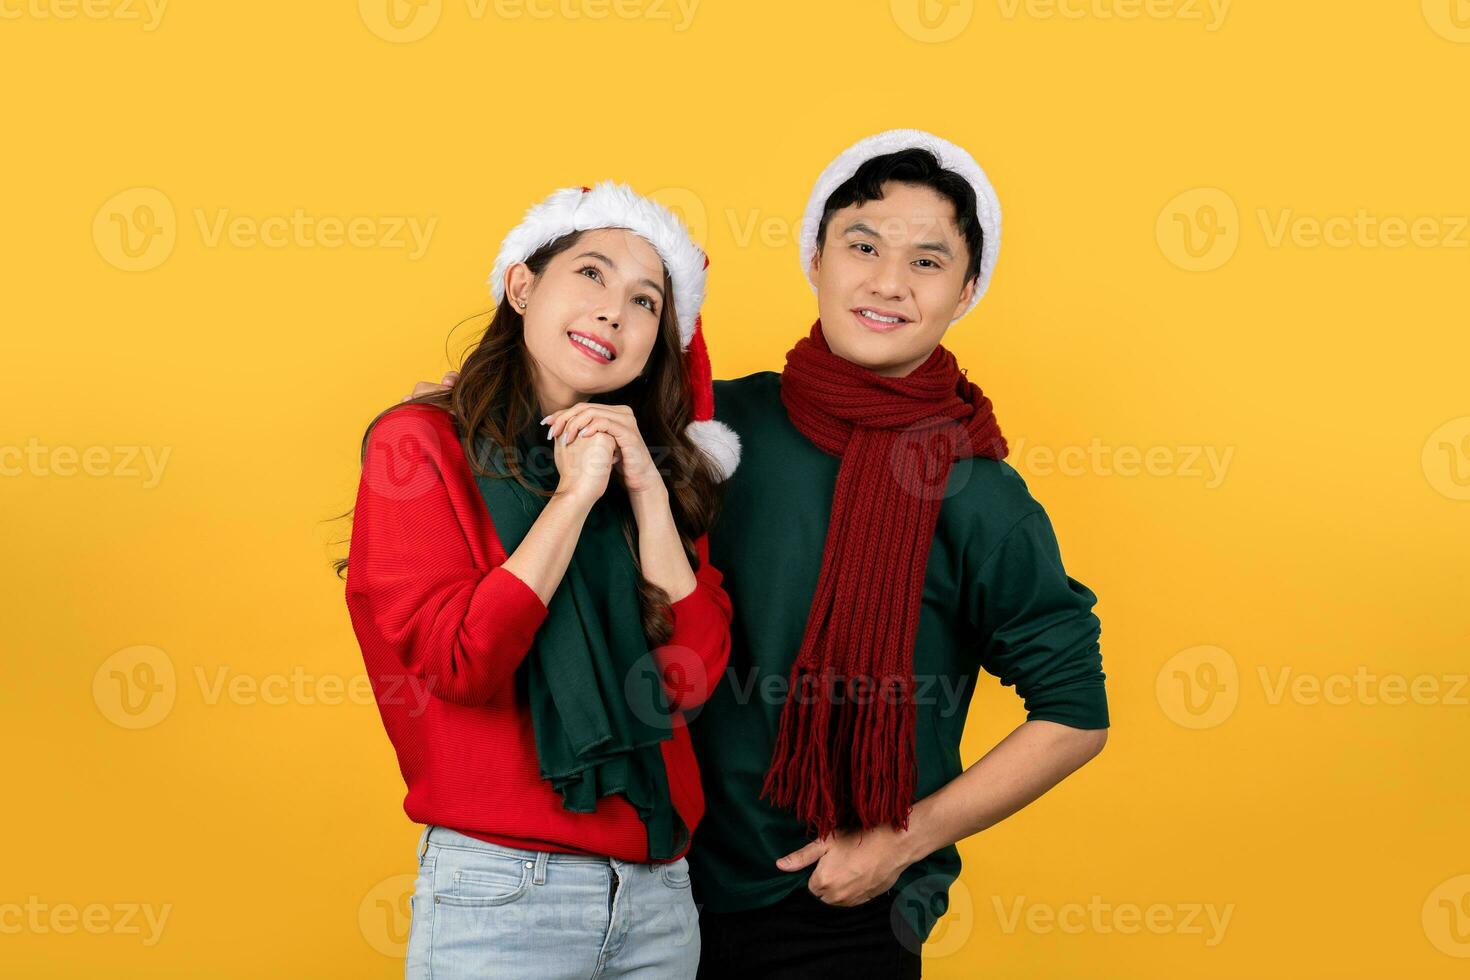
x,y
695,604
517,610
700,621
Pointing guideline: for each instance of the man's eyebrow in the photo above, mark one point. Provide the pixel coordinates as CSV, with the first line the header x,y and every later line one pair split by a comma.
x,y
862,227
613,265
939,247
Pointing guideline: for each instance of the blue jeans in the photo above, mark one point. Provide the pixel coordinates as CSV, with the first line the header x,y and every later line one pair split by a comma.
x,y
482,910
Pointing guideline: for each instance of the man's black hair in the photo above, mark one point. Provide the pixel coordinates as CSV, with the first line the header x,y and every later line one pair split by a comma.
x,y
911,166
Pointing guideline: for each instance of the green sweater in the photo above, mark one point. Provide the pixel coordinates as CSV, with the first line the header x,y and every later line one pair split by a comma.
x,y
995,597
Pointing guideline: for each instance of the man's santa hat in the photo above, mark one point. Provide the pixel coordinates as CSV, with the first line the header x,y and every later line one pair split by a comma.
x,y
611,205
950,157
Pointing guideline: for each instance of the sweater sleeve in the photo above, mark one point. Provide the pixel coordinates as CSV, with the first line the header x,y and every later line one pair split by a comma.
x,y
1037,628
693,660
412,580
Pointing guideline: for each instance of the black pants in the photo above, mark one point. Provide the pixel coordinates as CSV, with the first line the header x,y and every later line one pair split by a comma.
x,y
803,938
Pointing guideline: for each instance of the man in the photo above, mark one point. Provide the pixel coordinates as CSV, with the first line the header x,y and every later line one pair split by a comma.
x,y
877,551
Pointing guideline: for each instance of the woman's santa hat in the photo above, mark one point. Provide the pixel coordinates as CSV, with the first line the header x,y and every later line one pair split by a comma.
x,y
950,157
611,205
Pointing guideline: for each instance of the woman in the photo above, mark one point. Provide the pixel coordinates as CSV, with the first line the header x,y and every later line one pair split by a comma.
x,y
529,582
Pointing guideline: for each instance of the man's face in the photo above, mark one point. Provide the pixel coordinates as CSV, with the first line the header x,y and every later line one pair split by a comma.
x,y
891,278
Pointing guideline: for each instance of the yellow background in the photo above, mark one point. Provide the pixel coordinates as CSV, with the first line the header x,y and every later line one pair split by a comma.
x,y
270,824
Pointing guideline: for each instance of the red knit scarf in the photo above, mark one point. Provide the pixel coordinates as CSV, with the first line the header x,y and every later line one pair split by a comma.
x,y
845,750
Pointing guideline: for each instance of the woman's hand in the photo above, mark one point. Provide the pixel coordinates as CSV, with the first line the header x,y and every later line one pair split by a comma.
x,y
661,552
585,421
429,387
585,466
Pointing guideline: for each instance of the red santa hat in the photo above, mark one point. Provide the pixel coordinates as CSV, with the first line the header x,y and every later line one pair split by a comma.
x,y
612,205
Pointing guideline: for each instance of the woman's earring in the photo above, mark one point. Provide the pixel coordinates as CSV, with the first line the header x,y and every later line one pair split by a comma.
x,y
522,304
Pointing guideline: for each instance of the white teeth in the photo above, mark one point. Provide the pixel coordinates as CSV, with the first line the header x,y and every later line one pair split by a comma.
x,y
880,318
594,345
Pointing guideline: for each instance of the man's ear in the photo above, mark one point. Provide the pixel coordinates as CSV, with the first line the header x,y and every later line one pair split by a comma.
x,y
964,299
518,282
815,266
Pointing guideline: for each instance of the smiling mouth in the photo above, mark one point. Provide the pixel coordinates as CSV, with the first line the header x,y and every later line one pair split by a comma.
x,y
880,320
592,347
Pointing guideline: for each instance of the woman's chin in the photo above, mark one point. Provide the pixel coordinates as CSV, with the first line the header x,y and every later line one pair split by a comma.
x,y
584,376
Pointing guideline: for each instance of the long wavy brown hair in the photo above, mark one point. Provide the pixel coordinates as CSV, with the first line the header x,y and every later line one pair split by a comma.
x,y
495,399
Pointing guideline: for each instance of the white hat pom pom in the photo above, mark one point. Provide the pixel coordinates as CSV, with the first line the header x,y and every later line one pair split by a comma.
x,y
718,442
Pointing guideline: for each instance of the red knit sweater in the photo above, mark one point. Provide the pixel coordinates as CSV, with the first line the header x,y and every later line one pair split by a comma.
x,y
442,629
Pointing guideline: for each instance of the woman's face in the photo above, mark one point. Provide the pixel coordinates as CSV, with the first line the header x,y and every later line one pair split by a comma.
x,y
592,316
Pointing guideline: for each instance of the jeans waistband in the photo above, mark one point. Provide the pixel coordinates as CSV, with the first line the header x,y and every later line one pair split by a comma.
x,y
446,837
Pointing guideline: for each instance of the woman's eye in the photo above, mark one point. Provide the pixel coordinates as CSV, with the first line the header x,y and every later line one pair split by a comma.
x,y
597,276
648,303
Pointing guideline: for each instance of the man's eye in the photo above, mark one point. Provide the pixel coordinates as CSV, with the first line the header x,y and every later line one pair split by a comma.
x,y
864,245
932,264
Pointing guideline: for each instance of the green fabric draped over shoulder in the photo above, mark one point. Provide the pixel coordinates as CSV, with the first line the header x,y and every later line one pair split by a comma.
x,y
598,708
